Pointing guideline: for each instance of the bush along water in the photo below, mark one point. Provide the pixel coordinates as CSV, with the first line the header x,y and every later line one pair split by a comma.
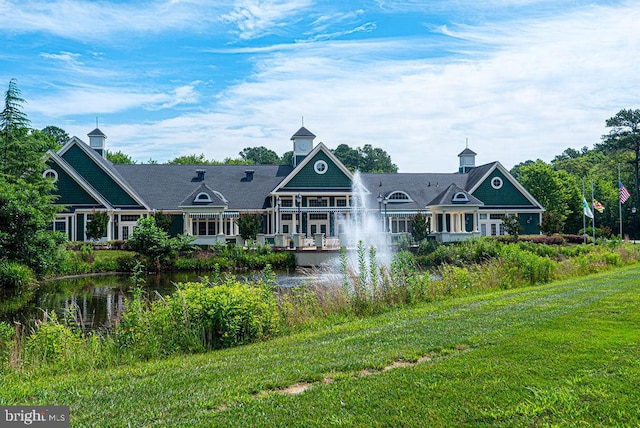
x,y
220,311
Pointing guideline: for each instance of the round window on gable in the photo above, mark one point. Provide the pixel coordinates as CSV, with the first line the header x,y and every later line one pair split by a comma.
x,y
51,175
320,167
496,182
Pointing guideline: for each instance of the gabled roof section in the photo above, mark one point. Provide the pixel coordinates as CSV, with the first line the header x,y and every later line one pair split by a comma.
x,y
303,132
74,146
306,176
166,186
479,176
78,180
205,196
453,196
422,188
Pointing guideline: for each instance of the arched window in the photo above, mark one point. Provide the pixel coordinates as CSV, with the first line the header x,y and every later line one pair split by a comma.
x,y
460,197
202,197
51,175
398,196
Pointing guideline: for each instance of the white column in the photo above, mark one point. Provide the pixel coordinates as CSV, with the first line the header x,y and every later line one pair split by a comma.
x,y
444,222
109,226
220,224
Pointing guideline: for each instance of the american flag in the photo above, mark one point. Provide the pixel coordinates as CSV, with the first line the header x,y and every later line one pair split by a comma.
x,y
624,193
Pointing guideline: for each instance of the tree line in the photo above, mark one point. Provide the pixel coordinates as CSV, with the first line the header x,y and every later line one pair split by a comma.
x,y
561,184
366,158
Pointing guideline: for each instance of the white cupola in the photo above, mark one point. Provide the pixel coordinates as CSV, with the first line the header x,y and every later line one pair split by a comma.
x,y
467,161
302,144
97,141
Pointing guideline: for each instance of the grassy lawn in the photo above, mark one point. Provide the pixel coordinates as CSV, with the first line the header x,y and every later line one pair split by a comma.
x,y
563,354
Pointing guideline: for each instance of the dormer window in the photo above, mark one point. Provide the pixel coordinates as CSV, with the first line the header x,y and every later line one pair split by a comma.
x,y
398,196
202,197
460,197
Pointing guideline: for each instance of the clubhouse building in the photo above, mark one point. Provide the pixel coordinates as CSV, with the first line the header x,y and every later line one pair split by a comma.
x,y
302,203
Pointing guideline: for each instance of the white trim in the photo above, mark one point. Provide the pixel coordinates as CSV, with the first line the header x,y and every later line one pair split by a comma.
x,y
199,197
399,192
86,186
496,182
97,159
320,167
306,160
512,180
460,197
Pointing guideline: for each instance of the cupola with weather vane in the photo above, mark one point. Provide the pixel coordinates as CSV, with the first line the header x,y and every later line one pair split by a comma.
x,y
467,160
302,144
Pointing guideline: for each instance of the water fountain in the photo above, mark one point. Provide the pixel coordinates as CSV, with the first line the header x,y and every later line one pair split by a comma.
x,y
364,229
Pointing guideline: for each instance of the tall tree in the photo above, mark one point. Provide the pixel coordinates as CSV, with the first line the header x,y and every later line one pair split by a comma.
x,y
260,156
376,160
120,158
557,191
348,156
59,135
625,136
190,160
25,195
14,125
365,159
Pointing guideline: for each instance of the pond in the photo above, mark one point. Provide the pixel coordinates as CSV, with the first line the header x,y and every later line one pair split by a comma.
x,y
98,300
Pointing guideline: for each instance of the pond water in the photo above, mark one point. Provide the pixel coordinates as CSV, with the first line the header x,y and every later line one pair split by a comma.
x,y
100,299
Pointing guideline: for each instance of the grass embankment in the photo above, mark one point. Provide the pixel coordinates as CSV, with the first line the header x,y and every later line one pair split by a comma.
x,y
86,260
566,354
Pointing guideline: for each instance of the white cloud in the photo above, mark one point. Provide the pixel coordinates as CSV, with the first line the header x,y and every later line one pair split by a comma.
x,y
521,89
82,20
256,18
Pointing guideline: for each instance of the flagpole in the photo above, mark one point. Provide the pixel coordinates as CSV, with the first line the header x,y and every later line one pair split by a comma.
x,y
593,219
584,218
619,202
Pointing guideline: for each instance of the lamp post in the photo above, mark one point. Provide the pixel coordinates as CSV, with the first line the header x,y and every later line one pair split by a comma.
x,y
386,224
278,204
380,198
299,202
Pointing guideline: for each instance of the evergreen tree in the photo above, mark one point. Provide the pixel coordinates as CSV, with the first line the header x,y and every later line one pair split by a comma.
x,y
26,197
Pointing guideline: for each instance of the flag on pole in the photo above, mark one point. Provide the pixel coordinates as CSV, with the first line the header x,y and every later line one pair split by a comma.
x,y
587,210
624,193
598,206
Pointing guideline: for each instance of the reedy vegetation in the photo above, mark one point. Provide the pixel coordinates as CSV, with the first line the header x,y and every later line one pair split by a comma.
x,y
221,311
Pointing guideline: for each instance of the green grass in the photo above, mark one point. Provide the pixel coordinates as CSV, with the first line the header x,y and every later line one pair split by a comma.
x,y
562,354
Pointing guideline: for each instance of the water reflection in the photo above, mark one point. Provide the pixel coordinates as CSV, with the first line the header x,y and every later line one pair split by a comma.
x,y
96,302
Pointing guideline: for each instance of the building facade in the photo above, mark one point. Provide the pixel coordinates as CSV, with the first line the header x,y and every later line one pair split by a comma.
x,y
305,201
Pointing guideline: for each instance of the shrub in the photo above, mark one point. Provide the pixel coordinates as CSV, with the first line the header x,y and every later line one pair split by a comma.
x,y
51,342
7,343
229,314
14,275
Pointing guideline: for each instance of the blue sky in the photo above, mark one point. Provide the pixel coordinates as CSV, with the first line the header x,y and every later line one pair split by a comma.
x,y
520,79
